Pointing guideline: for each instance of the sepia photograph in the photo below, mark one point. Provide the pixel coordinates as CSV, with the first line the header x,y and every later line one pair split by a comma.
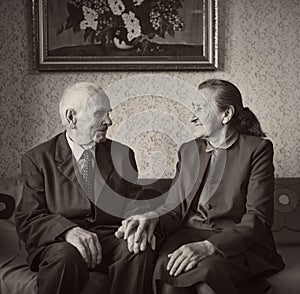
x,y
149,147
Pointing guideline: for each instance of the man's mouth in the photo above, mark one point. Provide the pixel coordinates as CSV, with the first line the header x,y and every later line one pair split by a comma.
x,y
102,130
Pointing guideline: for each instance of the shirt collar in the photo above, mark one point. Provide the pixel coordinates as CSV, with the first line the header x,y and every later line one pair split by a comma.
x,y
228,142
77,150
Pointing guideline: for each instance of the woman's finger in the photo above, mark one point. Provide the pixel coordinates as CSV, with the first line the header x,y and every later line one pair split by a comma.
x,y
176,264
182,266
190,266
172,257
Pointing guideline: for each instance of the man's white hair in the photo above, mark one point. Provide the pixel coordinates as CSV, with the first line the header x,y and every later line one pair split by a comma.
x,y
76,97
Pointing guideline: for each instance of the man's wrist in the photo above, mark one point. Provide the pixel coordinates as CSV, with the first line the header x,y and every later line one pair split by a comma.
x,y
62,236
151,215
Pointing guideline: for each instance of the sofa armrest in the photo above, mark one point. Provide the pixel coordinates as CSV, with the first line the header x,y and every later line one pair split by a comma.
x,y
7,206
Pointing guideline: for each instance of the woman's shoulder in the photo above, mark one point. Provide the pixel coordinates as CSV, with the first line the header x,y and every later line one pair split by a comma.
x,y
248,141
198,143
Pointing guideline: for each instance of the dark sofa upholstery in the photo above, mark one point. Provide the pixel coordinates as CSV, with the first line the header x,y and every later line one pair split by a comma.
x,y
16,278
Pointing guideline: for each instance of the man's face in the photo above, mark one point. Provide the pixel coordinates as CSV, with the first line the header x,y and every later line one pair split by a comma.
x,y
93,121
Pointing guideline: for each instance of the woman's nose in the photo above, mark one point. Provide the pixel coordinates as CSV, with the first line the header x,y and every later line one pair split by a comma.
x,y
194,118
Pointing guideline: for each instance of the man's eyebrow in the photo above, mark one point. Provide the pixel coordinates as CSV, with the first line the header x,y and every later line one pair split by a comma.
x,y
103,109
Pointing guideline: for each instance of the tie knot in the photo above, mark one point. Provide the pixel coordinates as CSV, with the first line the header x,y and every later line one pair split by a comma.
x,y
87,154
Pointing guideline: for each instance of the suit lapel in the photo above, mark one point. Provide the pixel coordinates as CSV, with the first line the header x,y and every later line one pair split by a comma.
x,y
104,161
201,167
63,155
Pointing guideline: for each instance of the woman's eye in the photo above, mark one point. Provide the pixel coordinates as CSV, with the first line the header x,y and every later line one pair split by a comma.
x,y
198,107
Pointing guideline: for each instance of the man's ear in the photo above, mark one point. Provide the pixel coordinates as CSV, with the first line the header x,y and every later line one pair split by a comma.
x,y
71,117
228,114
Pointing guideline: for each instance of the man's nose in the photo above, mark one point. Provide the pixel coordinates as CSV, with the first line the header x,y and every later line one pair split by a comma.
x,y
107,120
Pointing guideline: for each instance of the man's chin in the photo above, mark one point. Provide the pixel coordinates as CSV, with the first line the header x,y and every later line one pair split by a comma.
x,y
99,138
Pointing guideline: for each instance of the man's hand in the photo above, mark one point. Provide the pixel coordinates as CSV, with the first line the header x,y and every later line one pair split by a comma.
x,y
187,257
87,244
138,230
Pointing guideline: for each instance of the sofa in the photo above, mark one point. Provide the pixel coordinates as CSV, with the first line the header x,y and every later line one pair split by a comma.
x,y
16,277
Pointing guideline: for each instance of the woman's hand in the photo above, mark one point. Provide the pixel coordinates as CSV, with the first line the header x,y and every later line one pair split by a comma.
x,y
187,257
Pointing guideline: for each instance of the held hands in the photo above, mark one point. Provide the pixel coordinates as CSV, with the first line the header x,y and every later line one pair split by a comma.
x,y
187,257
138,230
87,244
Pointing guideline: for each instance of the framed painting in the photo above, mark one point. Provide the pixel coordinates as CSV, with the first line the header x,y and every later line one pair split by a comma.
x,y
125,34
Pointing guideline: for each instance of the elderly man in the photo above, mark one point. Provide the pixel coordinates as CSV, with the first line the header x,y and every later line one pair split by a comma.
x,y
67,230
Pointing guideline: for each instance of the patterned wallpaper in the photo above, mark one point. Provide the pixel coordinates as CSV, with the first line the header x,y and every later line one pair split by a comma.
x,y
259,43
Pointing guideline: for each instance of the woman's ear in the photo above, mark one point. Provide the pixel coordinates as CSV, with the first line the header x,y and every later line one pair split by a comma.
x,y
228,114
71,118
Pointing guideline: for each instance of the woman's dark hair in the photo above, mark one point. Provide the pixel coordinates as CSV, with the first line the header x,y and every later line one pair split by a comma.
x,y
243,120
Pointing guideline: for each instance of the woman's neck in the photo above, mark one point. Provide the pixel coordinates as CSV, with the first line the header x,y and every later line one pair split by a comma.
x,y
220,138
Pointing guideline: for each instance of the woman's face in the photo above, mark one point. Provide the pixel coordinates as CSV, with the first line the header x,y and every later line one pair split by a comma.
x,y
207,119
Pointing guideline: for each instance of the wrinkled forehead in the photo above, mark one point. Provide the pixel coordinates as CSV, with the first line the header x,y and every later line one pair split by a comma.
x,y
100,100
208,94
206,98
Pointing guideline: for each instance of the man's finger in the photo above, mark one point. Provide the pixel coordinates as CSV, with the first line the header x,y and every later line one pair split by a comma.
x,y
151,229
153,242
143,243
140,230
120,232
130,226
86,250
130,242
99,250
83,253
90,248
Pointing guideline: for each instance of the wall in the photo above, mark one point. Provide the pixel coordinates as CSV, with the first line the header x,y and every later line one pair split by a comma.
x,y
259,40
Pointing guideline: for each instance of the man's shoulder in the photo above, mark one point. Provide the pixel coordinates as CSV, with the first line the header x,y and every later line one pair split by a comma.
x,y
113,145
45,147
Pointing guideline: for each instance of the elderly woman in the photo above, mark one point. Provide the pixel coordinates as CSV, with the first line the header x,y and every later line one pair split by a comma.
x,y
218,216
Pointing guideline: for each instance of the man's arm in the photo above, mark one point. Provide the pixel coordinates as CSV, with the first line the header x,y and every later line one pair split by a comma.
x,y
36,227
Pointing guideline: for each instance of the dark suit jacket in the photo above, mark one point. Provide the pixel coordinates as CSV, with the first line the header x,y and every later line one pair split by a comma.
x,y
241,209
53,200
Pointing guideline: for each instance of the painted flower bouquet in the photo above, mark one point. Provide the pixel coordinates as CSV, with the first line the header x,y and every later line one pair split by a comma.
x,y
124,23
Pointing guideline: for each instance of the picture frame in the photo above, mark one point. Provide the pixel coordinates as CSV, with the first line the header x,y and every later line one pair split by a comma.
x,y
70,36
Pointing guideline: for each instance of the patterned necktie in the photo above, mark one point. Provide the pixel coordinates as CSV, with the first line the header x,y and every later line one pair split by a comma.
x,y
88,173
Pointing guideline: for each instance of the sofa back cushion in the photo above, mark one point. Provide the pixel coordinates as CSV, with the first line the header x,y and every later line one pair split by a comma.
x,y
10,196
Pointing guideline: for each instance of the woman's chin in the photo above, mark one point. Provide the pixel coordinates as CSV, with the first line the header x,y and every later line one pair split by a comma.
x,y
199,135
